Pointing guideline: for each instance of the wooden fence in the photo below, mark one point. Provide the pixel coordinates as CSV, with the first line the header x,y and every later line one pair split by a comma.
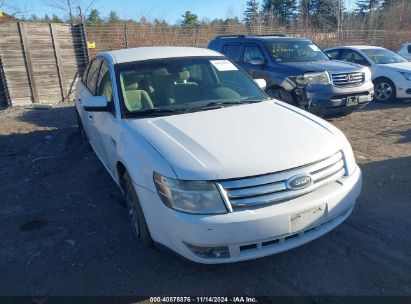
x,y
40,62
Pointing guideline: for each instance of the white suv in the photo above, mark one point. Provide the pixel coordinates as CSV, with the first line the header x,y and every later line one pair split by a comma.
x,y
210,166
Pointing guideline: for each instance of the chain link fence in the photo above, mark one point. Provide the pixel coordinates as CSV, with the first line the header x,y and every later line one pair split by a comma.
x,y
132,34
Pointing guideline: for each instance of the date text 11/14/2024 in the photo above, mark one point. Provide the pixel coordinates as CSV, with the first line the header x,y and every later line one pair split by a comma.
x,y
204,299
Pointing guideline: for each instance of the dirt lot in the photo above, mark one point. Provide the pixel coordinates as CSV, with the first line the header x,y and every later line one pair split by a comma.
x,y
64,231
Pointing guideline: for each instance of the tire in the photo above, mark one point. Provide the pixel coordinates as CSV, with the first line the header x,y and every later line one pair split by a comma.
x,y
138,221
281,94
346,113
384,90
82,132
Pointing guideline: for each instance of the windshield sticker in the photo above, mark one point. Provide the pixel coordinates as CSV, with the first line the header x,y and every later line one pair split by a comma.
x,y
223,65
314,47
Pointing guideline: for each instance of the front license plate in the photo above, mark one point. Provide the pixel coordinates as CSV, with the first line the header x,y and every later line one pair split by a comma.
x,y
352,101
307,218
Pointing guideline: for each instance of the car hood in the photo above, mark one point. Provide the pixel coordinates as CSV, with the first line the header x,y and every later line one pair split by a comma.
x,y
239,141
333,66
400,66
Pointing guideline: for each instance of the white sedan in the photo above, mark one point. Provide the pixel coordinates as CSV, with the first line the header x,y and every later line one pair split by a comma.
x,y
391,73
210,166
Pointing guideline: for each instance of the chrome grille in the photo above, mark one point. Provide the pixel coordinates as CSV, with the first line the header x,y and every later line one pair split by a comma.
x,y
348,79
271,188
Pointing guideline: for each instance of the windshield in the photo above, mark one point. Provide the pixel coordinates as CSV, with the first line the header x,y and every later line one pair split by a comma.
x,y
176,85
295,51
383,56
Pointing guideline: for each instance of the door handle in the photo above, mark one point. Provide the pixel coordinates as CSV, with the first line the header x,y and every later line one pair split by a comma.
x,y
90,117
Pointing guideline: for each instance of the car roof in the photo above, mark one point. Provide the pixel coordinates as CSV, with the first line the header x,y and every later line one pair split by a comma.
x,y
229,38
356,47
157,52
273,38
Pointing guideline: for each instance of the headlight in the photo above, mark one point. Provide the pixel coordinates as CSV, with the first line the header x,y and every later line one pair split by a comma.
x,y
314,78
406,75
349,160
367,74
197,197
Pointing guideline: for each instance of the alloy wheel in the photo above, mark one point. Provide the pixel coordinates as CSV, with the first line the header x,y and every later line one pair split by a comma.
x,y
133,213
383,91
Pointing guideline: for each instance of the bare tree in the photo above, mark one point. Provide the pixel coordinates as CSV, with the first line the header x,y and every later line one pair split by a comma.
x,y
11,8
70,7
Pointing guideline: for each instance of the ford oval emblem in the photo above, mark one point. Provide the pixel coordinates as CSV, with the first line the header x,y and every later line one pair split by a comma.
x,y
298,182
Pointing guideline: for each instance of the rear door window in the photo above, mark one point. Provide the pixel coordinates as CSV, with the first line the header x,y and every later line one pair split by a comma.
x,y
232,51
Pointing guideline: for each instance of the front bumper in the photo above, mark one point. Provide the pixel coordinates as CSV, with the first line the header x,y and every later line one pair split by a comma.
x,y
403,89
331,99
250,233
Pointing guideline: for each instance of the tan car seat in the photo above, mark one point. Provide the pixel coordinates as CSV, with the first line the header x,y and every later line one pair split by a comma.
x,y
134,99
161,80
184,91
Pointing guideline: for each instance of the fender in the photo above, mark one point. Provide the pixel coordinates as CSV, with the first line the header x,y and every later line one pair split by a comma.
x,y
287,84
140,158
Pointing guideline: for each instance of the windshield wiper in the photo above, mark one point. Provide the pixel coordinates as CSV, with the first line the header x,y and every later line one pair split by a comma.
x,y
150,112
231,102
221,104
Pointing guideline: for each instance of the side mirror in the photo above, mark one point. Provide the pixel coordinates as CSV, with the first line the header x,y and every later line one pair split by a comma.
x,y
261,83
96,104
257,61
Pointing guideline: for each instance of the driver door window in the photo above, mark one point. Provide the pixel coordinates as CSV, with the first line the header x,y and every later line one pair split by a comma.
x,y
251,52
354,57
334,54
104,86
92,76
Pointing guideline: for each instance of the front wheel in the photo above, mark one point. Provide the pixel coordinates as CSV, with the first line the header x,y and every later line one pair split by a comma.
x,y
138,221
82,132
281,94
384,90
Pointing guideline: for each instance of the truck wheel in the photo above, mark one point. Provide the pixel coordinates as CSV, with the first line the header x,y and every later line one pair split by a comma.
x,y
281,94
384,90
138,221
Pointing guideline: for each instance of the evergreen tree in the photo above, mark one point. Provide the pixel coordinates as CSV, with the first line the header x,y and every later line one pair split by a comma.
x,y
189,19
232,21
56,19
367,6
251,14
34,18
113,17
305,11
160,22
326,14
46,18
283,10
94,17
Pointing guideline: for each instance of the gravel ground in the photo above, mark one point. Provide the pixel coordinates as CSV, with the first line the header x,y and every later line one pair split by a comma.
x,y
64,230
